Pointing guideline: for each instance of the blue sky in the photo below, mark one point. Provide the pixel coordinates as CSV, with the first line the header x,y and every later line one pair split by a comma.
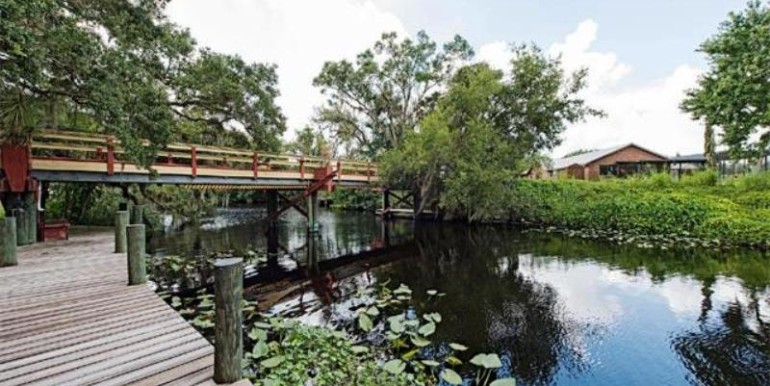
x,y
641,55
654,36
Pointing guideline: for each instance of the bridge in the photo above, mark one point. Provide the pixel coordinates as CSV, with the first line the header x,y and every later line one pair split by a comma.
x,y
74,157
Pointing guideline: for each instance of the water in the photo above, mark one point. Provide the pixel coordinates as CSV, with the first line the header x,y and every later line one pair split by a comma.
x,y
559,311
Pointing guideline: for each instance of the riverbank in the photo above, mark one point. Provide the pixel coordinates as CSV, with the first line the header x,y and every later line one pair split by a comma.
x,y
697,209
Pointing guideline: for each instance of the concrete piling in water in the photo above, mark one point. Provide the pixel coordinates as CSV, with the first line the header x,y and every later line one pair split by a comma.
x,y
137,214
8,242
228,339
137,266
121,221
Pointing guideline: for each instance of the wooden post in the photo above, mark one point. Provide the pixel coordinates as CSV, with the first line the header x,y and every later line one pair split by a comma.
x,y
21,226
30,209
8,242
228,337
137,214
386,204
121,221
137,271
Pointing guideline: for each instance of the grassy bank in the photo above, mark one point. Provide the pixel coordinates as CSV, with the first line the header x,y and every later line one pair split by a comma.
x,y
733,211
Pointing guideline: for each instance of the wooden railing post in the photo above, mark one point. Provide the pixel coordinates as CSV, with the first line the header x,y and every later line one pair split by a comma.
x,y
339,171
137,271
194,161
121,221
137,214
110,157
228,337
302,168
255,164
8,242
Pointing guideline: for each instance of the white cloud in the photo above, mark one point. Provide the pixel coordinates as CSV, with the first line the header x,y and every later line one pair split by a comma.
x,y
297,35
646,114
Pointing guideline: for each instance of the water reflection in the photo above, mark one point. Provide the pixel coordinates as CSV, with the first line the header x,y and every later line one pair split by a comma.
x,y
558,310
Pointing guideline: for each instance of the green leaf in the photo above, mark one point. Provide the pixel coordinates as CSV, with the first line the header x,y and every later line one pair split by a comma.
x,y
272,362
394,366
396,326
427,329
432,292
260,349
359,349
451,377
453,360
373,311
457,347
419,341
487,361
504,382
257,334
365,322
430,363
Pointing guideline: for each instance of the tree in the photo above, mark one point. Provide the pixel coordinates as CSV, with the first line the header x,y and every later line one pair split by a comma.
x,y
309,142
120,67
374,102
485,131
732,95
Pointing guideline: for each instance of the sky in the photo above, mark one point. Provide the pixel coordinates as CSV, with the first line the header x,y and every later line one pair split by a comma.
x,y
641,55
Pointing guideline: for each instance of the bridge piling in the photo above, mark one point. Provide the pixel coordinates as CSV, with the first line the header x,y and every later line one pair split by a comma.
x,y
312,212
228,338
21,226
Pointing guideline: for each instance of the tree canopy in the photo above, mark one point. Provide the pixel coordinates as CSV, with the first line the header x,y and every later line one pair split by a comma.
x,y
733,93
120,67
373,103
484,132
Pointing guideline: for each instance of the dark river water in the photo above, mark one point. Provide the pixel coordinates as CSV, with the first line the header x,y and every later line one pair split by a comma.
x,y
559,311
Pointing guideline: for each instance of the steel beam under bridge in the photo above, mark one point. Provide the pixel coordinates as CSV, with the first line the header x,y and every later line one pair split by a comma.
x,y
245,183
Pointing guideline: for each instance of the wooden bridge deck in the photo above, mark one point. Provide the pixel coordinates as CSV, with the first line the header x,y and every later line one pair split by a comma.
x,y
67,317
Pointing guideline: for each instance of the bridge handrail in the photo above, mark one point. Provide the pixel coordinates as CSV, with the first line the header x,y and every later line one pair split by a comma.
x,y
57,144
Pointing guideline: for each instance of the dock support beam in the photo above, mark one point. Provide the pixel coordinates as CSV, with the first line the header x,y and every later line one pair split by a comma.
x,y
8,242
121,221
137,270
228,337
312,212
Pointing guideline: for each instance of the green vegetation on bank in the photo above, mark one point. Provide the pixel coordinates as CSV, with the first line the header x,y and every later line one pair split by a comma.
x,y
729,212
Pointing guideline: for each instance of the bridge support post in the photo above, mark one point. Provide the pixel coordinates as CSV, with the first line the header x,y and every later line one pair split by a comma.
x,y
121,221
272,203
228,338
137,270
30,209
312,212
8,242
386,214
21,226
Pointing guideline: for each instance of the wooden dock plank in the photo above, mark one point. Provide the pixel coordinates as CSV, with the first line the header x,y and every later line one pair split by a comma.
x,y
67,317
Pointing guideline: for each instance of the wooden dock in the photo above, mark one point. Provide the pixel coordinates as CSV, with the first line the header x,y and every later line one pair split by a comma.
x,y
67,317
